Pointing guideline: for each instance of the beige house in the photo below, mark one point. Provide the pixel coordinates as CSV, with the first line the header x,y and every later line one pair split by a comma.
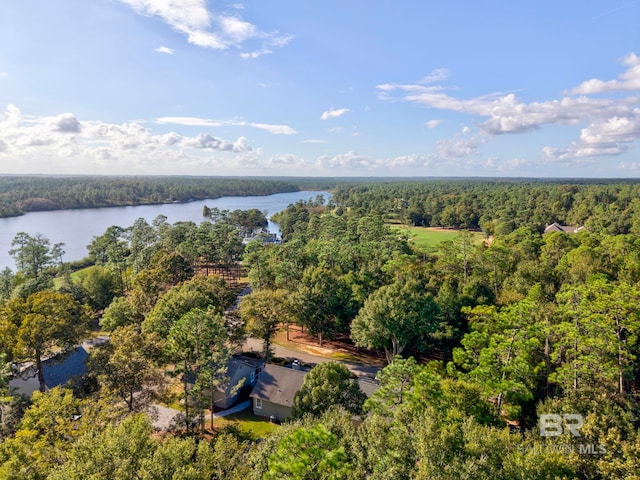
x,y
275,390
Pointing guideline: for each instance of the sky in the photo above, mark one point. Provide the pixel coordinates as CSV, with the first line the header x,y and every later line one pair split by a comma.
x,y
320,88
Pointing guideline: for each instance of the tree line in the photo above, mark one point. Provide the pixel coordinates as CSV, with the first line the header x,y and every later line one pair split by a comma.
x,y
22,194
499,206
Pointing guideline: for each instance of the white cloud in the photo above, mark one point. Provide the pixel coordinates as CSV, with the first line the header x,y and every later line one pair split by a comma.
x,y
436,75
205,28
459,146
275,129
409,161
611,136
345,160
331,113
432,123
65,122
208,142
627,81
190,121
314,141
167,50
205,122
11,117
256,54
4,74
130,145
611,124
515,164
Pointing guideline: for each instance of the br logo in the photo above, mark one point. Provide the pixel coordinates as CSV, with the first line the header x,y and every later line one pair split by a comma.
x,y
553,425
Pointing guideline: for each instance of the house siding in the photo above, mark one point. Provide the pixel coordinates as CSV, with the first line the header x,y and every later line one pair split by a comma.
x,y
279,411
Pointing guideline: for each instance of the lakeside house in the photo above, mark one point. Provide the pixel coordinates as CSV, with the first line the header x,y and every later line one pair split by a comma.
x,y
262,235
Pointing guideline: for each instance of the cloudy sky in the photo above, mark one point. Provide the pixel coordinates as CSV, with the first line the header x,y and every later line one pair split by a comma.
x,y
332,87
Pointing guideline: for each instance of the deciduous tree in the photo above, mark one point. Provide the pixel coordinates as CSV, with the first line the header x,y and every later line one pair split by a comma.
x,y
394,316
45,323
326,385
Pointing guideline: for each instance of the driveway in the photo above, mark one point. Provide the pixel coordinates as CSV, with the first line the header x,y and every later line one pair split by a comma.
x,y
360,369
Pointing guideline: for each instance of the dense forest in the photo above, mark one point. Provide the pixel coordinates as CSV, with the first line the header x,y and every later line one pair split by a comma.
x,y
500,206
21,194
483,341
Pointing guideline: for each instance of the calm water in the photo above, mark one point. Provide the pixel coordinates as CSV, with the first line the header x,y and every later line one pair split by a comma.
x,y
76,228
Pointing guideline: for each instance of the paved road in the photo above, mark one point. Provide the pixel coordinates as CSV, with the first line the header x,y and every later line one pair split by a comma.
x,y
254,344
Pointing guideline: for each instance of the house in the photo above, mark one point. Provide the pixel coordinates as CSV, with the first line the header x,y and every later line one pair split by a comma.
x,y
263,236
275,390
556,227
242,374
57,371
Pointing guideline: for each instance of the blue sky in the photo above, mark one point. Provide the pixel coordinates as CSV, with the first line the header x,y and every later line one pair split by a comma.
x,y
331,88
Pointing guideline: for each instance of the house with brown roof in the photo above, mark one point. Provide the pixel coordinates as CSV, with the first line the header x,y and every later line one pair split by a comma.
x,y
275,390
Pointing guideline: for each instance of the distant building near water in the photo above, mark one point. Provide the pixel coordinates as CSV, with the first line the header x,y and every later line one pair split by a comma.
x,y
556,227
263,236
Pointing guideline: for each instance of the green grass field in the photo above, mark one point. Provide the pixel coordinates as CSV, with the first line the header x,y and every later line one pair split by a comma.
x,y
76,276
429,238
248,423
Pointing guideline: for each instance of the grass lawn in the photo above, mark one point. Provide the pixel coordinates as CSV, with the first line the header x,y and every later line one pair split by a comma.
x,y
247,422
430,237
76,276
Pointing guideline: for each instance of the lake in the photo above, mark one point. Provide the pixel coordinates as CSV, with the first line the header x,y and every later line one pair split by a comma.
x,y
76,228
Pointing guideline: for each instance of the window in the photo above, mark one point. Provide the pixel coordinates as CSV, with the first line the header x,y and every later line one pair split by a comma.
x,y
258,403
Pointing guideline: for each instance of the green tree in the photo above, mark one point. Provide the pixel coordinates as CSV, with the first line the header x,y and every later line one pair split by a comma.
x,y
502,353
197,344
7,282
199,292
396,384
326,385
100,287
308,454
595,343
44,324
31,254
47,430
118,452
263,311
323,301
394,316
111,249
127,366
119,314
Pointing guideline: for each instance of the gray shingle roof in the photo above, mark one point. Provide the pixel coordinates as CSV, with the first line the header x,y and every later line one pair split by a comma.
x,y
278,384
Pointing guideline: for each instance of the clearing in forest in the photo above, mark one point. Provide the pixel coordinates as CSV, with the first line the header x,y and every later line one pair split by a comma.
x,y
431,237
